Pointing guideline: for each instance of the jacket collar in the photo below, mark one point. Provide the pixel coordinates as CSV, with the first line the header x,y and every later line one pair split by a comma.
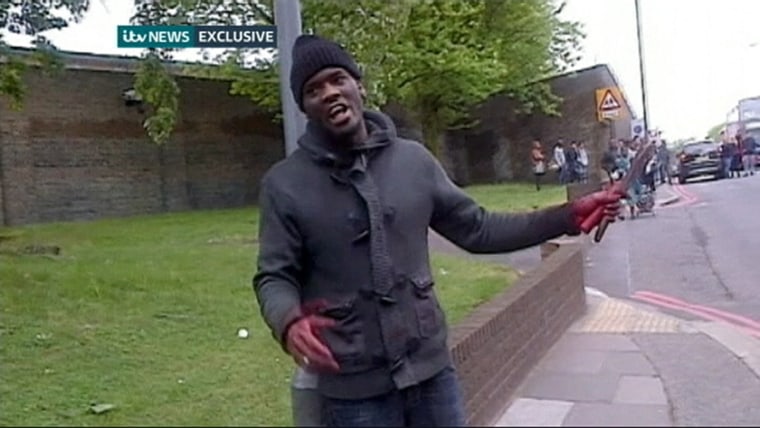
x,y
323,149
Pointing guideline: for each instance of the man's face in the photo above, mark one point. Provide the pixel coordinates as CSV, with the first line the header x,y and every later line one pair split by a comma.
x,y
333,98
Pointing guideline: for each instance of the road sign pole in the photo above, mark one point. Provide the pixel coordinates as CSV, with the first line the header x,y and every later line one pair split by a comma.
x,y
287,18
641,68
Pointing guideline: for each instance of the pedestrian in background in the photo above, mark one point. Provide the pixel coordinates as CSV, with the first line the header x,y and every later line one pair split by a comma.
x,y
664,159
539,163
558,158
749,148
736,159
571,162
727,154
582,162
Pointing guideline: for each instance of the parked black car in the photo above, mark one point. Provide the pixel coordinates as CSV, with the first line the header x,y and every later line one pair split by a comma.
x,y
698,159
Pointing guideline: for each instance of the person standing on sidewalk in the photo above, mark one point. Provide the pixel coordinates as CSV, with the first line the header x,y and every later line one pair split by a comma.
x,y
539,163
559,161
726,155
343,276
663,163
749,147
736,160
571,162
582,162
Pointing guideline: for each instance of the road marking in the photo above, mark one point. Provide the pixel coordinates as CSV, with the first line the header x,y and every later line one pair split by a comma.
x,y
686,192
748,325
687,198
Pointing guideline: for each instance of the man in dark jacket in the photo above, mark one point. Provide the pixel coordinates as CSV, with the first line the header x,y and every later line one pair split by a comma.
x,y
727,153
343,277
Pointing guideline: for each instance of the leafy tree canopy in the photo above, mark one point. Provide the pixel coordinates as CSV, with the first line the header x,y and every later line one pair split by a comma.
x,y
435,58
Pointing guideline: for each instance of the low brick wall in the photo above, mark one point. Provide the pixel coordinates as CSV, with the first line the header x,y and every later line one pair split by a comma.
x,y
498,344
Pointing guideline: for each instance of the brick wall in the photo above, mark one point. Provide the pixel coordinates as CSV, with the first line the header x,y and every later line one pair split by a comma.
x,y
498,344
498,148
77,152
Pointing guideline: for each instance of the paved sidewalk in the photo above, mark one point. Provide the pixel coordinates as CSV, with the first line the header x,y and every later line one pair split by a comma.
x,y
628,364
624,364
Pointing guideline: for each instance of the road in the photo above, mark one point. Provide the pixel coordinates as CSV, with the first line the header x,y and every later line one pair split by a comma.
x,y
699,258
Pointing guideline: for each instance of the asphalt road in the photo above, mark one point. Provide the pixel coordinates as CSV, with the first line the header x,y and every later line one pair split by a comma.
x,y
703,251
696,259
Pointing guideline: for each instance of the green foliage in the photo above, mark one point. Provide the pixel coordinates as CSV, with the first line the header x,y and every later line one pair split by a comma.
x,y
159,89
11,81
32,18
436,58
35,17
714,132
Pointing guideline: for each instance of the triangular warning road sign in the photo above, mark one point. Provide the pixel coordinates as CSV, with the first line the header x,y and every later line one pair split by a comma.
x,y
609,102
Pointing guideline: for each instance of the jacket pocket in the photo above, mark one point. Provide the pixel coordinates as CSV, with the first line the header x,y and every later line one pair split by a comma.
x,y
346,339
427,308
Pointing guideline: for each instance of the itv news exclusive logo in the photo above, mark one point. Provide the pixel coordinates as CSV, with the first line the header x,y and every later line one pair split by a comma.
x,y
186,36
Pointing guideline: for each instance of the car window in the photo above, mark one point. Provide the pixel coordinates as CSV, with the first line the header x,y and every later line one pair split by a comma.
x,y
699,148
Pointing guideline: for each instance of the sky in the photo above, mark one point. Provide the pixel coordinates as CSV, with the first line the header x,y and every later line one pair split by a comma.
x,y
700,56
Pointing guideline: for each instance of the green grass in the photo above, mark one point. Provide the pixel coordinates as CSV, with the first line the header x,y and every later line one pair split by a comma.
x,y
143,312
517,196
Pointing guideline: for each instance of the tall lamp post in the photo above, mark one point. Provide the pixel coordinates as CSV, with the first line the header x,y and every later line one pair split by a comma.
x,y
641,69
287,18
305,401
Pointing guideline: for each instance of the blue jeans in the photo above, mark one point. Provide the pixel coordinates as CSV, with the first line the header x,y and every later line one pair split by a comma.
x,y
436,402
726,167
749,163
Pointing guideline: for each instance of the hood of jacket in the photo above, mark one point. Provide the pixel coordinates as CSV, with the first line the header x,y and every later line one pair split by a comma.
x,y
324,149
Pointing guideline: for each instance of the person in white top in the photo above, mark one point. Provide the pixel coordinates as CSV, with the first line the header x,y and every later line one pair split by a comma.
x,y
559,160
582,162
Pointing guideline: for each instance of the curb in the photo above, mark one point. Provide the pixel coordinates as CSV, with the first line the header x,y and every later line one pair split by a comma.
x,y
745,347
595,292
669,201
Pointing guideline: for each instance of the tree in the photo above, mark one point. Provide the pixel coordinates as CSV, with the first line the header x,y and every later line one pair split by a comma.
x,y
32,18
714,132
436,58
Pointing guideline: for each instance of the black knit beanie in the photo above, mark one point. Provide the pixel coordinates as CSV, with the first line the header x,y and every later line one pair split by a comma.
x,y
312,54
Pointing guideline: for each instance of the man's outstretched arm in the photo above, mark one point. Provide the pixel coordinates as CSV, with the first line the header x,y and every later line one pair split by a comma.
x,y
460,219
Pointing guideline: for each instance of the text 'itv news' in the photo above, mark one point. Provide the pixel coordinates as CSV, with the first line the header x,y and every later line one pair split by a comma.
x,y
187,36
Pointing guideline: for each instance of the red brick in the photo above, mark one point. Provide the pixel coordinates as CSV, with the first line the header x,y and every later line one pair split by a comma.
x,y
501,341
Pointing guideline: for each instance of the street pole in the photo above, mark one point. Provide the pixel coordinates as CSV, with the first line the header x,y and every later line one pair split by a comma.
x,y
287,18
305,400
641,69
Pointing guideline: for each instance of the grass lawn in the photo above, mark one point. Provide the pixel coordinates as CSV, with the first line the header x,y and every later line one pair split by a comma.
x,y
142,313
517,196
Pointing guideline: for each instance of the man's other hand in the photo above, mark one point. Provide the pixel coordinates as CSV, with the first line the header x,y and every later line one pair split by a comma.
x,y
590,210
304,343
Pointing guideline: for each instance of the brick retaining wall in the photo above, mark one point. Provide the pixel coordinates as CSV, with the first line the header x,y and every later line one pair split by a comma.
x,y
498,344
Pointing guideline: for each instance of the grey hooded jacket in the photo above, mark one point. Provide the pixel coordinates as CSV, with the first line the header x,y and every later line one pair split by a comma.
x,y
350,226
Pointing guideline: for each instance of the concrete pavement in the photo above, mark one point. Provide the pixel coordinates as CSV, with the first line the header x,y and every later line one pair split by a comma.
x,y
624,364
653,362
